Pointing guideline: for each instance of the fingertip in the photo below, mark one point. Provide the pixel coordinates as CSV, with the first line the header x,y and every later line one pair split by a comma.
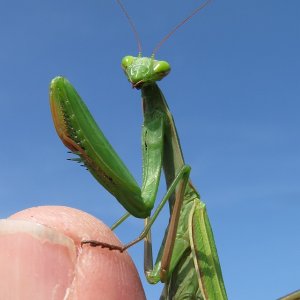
x,y
94,271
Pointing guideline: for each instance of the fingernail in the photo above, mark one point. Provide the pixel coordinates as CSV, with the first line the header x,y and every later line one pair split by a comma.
x,y
37,262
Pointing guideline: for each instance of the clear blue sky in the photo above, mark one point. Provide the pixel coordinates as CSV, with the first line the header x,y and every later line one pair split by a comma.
x,y
234,91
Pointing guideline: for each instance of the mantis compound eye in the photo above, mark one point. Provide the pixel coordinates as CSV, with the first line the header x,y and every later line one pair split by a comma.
x,y
161,68
127,61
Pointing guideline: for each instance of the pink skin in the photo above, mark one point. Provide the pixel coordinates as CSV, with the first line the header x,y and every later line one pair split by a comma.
x,y
41,258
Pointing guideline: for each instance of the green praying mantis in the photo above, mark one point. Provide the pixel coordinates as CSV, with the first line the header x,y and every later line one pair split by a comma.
x,y
187,262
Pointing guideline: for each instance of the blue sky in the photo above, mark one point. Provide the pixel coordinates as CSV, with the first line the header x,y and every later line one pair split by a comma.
x,y
234,91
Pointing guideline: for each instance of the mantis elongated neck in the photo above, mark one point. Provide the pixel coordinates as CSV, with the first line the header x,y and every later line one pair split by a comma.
x,y
153,101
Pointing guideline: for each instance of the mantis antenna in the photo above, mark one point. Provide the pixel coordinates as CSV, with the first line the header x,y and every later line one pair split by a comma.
x,y
133,27
137,38
194,12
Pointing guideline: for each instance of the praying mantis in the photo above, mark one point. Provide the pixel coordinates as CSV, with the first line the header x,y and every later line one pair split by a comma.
x,y
187,262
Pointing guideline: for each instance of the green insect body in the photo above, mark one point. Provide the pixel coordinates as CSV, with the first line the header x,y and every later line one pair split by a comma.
x,y
194,243
187,261
196,274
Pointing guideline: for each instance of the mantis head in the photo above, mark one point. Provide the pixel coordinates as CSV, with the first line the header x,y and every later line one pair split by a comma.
x,y
142,71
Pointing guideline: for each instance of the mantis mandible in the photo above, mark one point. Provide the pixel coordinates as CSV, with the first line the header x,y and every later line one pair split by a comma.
x,y
187,262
